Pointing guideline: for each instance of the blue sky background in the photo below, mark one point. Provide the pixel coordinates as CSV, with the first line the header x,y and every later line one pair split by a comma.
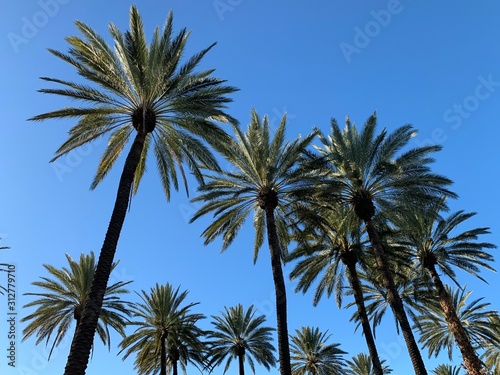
x,y
432,64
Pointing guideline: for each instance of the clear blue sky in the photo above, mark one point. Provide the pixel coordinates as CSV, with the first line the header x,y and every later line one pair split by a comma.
x,y
432,64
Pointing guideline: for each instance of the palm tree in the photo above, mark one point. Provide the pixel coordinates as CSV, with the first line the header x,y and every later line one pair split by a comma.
x,y
239,335
63,297
363,365
435,331
311,355
437,247
334,250
367,174
166,332
446,370
144,90
491,354
266,181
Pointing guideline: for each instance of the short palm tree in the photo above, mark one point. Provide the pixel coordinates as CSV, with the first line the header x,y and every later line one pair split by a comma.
x,y
435,331
334,251
367,174
446,370
238,334
266,181
62,298
311,355
438,247
363,365
143,92
166,333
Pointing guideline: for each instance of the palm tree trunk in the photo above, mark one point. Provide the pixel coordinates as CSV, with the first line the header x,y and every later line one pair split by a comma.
x,y
174,366
279,287
82,341
241,362
394,299
472,362
163,355
352,275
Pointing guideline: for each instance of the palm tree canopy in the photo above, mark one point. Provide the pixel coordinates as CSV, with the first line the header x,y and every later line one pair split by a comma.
x,y
372,171
435,241
311,355
321,249
436,335
63,298
446,370
162,313
266,174
144,88
362,365
238,332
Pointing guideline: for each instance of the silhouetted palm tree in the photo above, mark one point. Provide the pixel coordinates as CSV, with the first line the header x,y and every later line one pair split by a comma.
x,y
60,303
145,92
239,335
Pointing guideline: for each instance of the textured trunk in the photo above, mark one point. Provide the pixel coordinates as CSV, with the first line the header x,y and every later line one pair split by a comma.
x,y
174,366
241,362
163,355
279,286
82,341
352,275
472,362
394,300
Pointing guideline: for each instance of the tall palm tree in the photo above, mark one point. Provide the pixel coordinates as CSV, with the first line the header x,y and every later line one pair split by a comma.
x,y
311,355
334,250
368,175
62,298
266,180
166,333
143,91
238,334
446,370
438,247
434,326
361,364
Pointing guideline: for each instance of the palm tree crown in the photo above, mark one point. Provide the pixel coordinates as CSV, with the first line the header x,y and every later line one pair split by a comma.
x,y
311,355
238,334
435,332
142,89
166,332
63,299
361,364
